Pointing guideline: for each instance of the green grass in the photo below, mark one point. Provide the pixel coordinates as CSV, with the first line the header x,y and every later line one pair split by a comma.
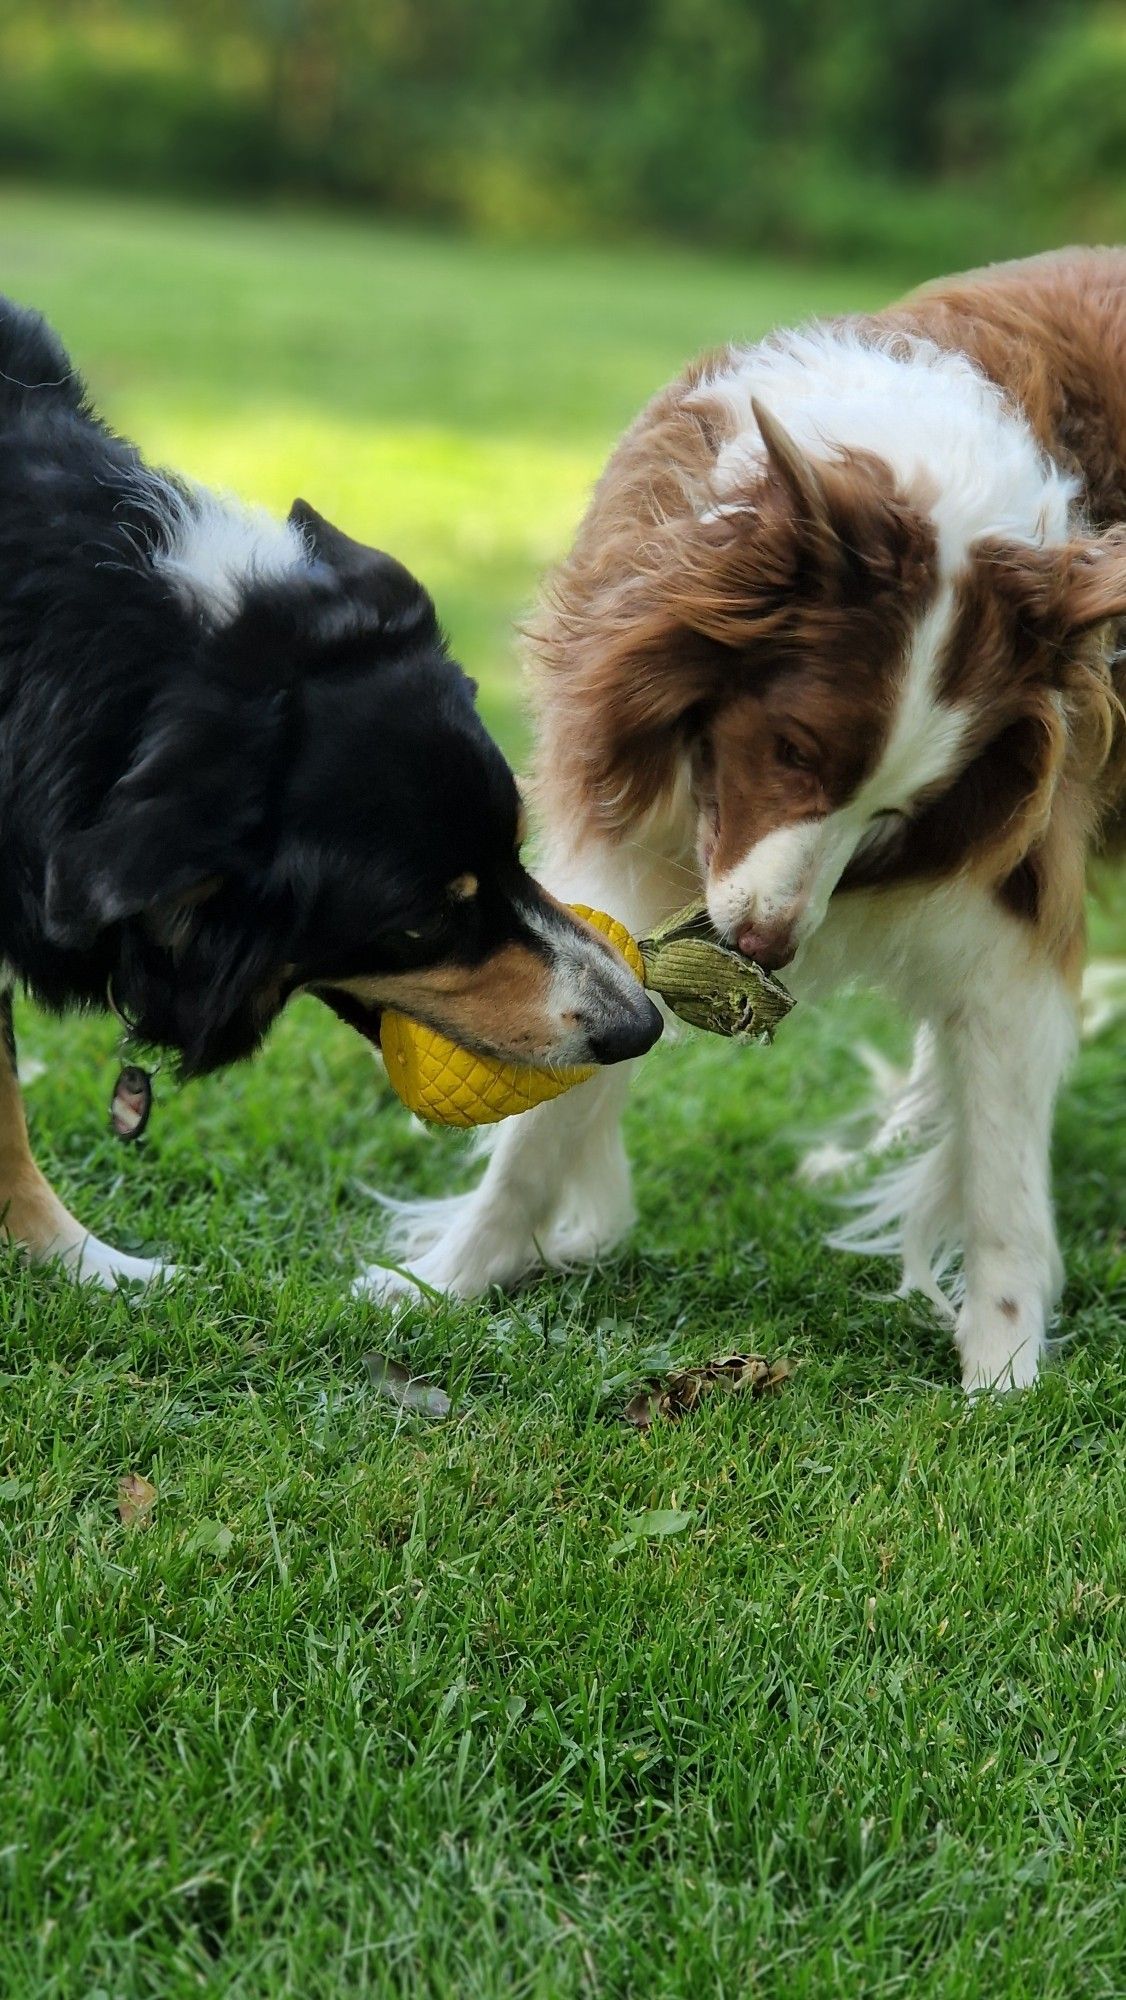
x,y
373,1706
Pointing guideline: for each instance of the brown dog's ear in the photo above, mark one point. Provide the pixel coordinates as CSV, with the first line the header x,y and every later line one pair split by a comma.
x,y
805,486
1059,597
797,472
1063,590
1095,581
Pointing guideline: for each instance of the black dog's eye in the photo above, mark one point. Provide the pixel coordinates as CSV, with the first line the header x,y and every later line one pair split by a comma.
x,y
425,930
422,932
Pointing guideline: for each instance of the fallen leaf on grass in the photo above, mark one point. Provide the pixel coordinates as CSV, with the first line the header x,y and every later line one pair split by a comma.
x,y
677,1394
653,1525
210,1538
395,1382
136,1498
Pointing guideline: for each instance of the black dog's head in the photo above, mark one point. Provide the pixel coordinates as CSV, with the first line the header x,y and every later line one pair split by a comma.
x,y
316,806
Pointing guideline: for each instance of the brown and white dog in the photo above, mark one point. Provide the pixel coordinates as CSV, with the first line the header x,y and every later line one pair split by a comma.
x,y
836,639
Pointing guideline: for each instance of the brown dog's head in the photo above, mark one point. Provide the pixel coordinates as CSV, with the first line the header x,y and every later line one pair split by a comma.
x,y
858,696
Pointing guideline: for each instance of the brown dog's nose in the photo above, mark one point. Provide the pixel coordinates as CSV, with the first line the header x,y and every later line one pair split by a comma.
x,y
770,949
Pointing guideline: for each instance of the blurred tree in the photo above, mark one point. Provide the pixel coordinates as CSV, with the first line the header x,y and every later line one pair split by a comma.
x,y
740,120
1067,128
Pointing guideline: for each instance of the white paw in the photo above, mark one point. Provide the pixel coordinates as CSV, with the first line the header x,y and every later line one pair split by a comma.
x,y
415,1236
1001,1347
465,1246
416,1226
456,1248
385,1287
452,1270
93,1262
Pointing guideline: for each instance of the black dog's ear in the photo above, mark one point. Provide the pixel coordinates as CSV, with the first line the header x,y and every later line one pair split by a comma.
x,y
118,870
331,545
376,579
174,826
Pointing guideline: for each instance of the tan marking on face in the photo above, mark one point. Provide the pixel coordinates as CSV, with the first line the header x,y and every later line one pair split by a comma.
x,y
463,888
501,1007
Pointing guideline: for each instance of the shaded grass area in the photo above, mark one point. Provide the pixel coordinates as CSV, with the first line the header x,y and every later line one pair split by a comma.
x,y
372,1706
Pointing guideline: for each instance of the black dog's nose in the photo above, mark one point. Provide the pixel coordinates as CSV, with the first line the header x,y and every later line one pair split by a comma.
x,y
629,1034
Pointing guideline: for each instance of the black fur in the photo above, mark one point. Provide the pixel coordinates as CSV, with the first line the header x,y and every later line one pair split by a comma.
x,y
197,817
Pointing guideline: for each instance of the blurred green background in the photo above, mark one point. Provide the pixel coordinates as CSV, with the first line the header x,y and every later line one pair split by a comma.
x,y
934,132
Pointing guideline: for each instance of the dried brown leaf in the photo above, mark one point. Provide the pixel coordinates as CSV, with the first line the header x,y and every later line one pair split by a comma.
x,y
679,1393
136,1498
395,1382
641,1409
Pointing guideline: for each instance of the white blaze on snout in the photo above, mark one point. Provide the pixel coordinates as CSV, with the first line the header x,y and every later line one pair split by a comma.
x,y
771,882
592,990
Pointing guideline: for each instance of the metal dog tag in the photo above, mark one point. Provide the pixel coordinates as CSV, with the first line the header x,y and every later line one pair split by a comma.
x,y
131,1103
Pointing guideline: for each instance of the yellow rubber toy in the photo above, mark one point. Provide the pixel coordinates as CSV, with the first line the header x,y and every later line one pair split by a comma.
x,y
448,1085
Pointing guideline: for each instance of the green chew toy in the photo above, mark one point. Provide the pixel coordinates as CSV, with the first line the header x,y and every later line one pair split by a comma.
x,y
700,978
706,983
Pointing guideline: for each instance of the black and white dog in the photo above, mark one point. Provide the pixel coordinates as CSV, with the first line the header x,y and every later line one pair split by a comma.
x,y
237,762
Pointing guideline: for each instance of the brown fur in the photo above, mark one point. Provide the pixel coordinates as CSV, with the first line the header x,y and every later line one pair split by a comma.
x,y
1051,332
707,613
466,1003
1040,694
31,1213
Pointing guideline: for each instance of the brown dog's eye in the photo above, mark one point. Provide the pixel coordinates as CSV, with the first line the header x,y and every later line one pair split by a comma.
x,y
791,754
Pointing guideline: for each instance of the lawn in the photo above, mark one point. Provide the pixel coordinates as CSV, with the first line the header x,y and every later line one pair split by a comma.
x,y
376,1705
